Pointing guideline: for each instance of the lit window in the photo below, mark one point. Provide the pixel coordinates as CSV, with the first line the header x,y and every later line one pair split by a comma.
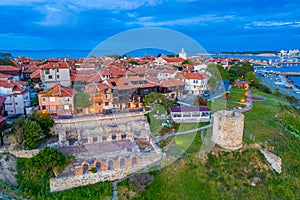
x,y
52,99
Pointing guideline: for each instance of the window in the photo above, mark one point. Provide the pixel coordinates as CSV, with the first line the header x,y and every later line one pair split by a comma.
x,y
66,107
50,76
16,103
123,136
47,71
114,137
52,99
104,138
57,76
106,103
107,96
95,139
57,70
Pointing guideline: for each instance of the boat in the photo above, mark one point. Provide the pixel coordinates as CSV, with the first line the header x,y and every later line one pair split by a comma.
x,y
278,83
288,87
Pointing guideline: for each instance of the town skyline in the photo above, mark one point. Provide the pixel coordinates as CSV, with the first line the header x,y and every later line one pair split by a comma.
x,y
82,25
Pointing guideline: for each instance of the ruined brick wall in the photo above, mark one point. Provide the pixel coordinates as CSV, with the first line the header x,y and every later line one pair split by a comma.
x,y
88,131
228,129
65,183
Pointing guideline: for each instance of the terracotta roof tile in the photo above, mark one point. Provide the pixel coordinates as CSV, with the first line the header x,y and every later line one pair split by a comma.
x,y
58,91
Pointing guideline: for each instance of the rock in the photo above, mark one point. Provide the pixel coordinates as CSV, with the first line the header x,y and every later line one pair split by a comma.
x,y
273,160
8,165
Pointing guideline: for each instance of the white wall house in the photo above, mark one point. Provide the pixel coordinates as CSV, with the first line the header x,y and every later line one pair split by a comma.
x,y
53,73
195,83
17,96
181,114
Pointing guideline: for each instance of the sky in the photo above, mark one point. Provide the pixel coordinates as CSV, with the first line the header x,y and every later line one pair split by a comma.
x,y
229,25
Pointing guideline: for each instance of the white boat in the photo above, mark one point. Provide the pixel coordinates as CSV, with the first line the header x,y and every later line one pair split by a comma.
x,y
279,83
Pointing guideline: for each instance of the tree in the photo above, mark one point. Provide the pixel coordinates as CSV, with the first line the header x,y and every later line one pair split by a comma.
x,y
153,97
218,71
212,82
243,69
202,101
5,59
27,133
82,100
43,119
276,91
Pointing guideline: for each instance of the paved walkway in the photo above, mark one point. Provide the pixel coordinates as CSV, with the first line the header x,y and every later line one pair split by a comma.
x,y
248,103
158,139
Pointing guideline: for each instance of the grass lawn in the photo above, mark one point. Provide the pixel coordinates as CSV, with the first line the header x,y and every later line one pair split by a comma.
x,y
260,120
190,126
155,124
237,94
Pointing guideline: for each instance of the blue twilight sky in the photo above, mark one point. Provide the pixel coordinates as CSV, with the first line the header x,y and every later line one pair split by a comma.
x,y
217,25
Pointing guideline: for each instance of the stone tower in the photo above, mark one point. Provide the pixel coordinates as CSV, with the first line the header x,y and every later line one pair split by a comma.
x,y
228,127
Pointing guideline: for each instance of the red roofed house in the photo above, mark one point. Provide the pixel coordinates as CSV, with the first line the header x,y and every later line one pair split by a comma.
x,y
128,92
17,96
241,84
195,82
174,60
55,72
101,97
11,70
58,100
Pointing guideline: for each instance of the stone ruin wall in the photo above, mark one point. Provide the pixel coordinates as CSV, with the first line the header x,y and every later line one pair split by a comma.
x,y
22,153
131,126
65,183
228,130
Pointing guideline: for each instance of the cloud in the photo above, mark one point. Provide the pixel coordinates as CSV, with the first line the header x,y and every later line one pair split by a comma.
x,y
201,20
273,24
86,4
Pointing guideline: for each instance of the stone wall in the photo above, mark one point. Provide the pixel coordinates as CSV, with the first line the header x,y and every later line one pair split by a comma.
x,y
65,183
88,131
22,153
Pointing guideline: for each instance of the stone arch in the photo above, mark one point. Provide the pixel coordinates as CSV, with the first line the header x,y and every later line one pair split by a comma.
x,y
98,166
85,168
110,165
122,163
133,161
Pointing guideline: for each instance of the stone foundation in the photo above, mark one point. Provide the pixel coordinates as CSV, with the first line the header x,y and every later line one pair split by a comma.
x,y
65,183
22,153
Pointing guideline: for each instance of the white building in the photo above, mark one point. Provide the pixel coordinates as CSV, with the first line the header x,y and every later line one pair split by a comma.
x,y
195,83
181,114
55,72
182,54
17,96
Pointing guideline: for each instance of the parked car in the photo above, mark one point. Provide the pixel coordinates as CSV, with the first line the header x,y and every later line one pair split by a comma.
x,y
110,111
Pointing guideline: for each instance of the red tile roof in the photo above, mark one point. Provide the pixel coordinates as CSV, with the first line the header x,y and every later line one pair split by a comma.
x,y
35,74
131,82
8,68
174,59
57,65
58,91
12,83
94,77
96,88
191,75
5,76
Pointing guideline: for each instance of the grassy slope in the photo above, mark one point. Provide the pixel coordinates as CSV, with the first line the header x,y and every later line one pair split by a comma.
x,y
227,175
